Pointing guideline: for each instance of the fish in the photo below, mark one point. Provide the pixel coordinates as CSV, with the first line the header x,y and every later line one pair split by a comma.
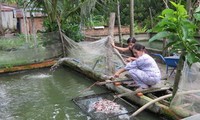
x,y
107,106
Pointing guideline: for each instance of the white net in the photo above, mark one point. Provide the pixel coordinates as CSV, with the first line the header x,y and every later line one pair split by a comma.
x,y
19,52
188,104
99,56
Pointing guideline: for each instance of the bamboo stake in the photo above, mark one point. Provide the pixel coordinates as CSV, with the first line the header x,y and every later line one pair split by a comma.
x,y
102,83
106,82
88,88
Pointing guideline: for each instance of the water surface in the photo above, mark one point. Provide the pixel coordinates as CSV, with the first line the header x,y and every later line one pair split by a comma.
x,y
45,95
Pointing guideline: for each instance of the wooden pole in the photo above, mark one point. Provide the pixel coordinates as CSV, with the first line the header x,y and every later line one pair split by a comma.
x,y
119,23
111,25
110,70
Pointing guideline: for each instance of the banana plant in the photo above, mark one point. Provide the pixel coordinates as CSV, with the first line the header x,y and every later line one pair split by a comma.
x,y
179,31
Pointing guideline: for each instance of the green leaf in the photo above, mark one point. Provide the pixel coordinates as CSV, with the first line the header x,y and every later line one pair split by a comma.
x,y
185,32
197,9
191,58
182,11
168,11
160,35
197,16
174,4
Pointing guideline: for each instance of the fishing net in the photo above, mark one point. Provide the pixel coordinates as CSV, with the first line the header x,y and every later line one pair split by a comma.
x,y
98,56
104,106
188,104
37,48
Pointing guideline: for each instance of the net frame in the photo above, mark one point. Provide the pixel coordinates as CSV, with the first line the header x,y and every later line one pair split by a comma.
x,y
102,116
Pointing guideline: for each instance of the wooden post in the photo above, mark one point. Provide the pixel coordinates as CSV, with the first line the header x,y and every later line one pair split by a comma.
x,y
110,69
111,25
119,23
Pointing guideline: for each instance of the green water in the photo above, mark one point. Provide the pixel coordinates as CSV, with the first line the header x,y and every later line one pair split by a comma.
x,y
45,95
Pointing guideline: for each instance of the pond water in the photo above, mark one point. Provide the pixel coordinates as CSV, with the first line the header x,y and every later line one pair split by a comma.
x,y
45,95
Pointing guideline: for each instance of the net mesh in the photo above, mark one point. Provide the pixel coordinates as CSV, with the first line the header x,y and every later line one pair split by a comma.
x,y
188,104
96,107
46,47
99,56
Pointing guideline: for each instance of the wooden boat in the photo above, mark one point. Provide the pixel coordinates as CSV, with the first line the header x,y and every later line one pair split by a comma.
x,y
161,107
46,63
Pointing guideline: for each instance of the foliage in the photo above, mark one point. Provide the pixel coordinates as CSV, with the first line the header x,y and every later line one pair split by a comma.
x,y
197,13
50,26
179,31
139,29
93,12
96,20
143,9
8,1
66,13
73,31
175,26
141,12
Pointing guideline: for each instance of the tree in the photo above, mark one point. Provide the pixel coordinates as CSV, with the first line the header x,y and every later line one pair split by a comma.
x,y
131,18
176,27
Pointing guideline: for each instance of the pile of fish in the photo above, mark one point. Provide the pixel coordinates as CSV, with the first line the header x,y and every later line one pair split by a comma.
x,y
107,107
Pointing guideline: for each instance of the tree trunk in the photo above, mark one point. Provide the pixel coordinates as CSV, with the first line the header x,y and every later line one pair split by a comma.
x,y
119,23
178,73
61,37
164,51
151,17
189,8
132,18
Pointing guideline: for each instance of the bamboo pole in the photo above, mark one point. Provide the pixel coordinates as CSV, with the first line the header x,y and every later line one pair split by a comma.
x,y
106,82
